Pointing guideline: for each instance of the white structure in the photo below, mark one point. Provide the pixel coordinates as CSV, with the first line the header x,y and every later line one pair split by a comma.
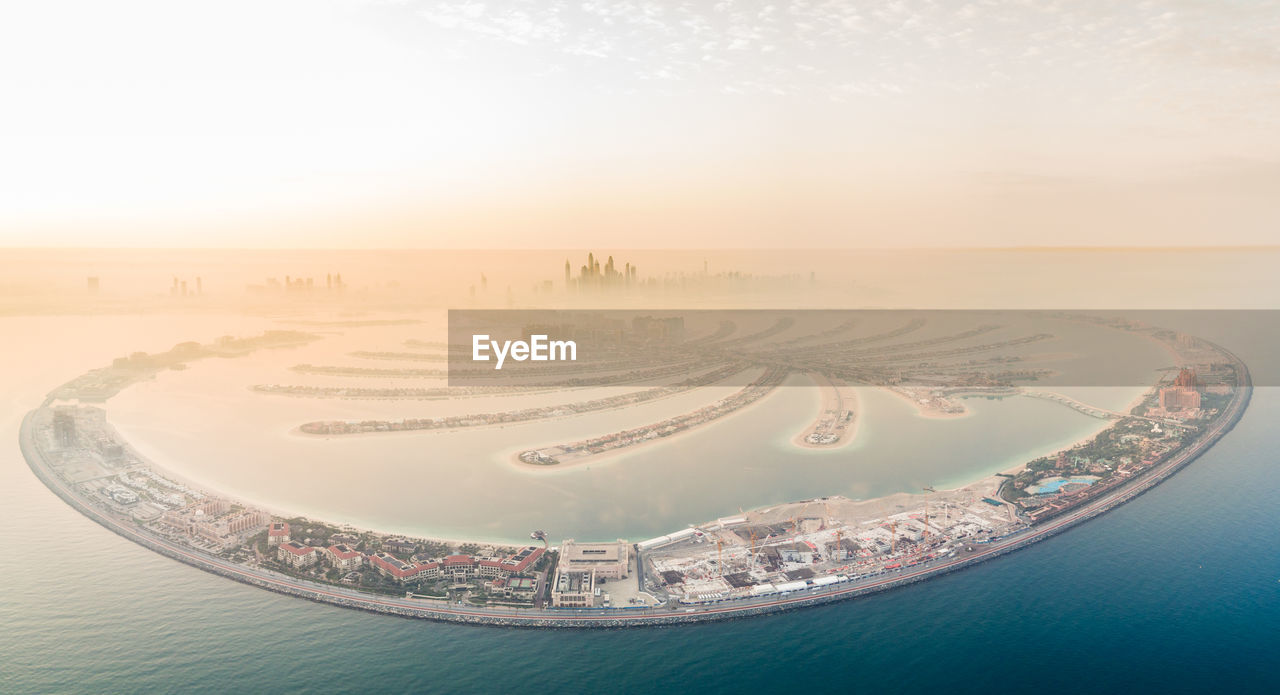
x,y
605,560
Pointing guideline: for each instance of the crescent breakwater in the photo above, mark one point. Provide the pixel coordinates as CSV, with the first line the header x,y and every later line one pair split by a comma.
x,y
841,587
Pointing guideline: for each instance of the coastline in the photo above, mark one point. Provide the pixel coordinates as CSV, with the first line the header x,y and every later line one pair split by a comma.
x,y
613,455
298,431
1027,529
629,617
923,411
835,396
276,510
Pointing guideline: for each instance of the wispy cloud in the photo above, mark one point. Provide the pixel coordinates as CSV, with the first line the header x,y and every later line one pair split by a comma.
x,y
879,49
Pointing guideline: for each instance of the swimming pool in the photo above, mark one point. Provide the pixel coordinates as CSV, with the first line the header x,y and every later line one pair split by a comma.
x,y
1049,486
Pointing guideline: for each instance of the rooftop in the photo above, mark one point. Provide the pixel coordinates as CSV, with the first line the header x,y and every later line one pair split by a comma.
x,y
297,548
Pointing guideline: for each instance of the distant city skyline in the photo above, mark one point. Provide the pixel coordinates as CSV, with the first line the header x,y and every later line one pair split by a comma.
x,y
546,124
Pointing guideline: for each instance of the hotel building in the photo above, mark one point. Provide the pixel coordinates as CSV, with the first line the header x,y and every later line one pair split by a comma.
x,y
297,555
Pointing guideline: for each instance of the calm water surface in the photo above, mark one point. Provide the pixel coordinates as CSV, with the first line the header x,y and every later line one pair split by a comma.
x,y
84,611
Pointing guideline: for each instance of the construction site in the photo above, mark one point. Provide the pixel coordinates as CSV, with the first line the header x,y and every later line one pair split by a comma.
x,y
820,542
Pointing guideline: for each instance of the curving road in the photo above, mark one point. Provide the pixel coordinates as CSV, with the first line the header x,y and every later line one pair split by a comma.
x,y
620,617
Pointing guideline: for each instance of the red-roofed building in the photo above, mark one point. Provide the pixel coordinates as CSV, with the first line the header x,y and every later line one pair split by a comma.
x,y
297,555
343,557
277,533
401,571
524,560
459,567
400,545
428,570
456,568
490,568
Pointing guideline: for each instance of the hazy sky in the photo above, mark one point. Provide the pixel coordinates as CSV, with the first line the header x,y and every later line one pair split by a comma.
x,y
639,124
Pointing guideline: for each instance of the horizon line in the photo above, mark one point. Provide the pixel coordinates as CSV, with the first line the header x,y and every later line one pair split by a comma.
x,y
1126,247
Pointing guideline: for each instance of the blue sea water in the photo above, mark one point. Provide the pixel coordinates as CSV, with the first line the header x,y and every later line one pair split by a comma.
x,y
1178,591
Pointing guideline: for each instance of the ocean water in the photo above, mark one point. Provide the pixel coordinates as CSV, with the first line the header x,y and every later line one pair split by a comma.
x,y
85,611
1177,591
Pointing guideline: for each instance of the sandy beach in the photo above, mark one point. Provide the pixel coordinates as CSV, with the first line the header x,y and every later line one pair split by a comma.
x,y
925,410
613,454
837,397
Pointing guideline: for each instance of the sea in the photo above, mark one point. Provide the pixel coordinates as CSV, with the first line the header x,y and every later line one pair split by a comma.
x,y
1177,591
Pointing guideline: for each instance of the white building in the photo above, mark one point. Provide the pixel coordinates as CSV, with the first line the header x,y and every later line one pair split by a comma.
x,y
297,555
605,560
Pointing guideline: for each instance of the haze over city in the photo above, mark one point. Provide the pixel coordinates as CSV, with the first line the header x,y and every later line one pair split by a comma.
x,y
549,124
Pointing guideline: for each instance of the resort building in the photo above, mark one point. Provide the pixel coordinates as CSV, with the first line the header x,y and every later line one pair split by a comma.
x,y
460,568
490,568
277,533
214,524
297,555
606,560
523,561
1184,394
1178,398
391,566
343,557
400,545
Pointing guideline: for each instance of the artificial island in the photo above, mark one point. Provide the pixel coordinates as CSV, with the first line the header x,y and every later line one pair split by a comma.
x,y
783,556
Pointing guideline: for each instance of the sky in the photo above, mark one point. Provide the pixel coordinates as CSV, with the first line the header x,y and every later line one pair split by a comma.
x,y
703,124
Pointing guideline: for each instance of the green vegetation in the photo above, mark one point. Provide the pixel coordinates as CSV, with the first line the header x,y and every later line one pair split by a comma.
x,y
1010,493
433,549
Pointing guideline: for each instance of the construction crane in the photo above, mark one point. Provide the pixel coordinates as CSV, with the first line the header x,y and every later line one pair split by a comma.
x,y
720,556
928,488
893,537
926,521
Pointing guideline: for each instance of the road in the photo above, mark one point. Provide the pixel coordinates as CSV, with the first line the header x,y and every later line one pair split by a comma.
x,y
620,617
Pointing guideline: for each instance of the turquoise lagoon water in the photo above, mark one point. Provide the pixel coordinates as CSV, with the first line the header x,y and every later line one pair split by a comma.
x,y
1052,485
